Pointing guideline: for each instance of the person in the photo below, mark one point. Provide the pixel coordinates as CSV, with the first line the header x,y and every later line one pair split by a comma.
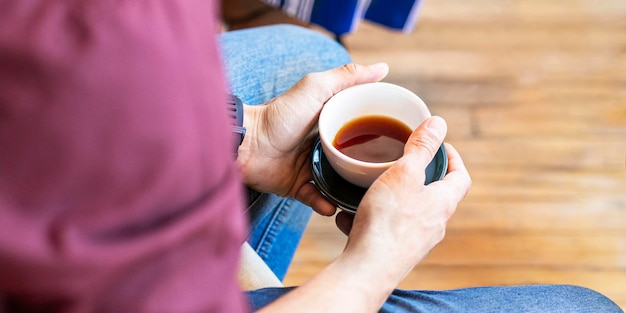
x,y
119,192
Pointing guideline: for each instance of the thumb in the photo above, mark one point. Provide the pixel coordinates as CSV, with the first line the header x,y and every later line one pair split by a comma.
x,y
321,86
426,140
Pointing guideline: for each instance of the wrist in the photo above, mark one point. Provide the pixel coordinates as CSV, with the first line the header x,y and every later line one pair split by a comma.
x,y
351,283
247,147
379,261
364,282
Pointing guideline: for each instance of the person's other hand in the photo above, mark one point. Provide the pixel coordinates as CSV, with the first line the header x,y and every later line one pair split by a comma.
x,y
275,154
400,219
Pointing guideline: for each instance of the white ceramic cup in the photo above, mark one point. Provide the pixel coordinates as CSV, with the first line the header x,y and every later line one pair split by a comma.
x,y
383,99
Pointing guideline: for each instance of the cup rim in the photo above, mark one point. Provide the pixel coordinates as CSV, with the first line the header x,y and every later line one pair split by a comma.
x,y
327,143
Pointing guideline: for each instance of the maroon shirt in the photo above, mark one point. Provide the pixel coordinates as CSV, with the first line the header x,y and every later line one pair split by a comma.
x,y
118,192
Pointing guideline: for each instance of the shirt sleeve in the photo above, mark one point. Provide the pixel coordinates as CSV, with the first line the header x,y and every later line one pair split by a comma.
x,y
117,186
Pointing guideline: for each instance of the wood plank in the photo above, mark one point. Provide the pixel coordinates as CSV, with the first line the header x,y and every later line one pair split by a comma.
x,y
513,242
513,35
592,251
502,12
564,117
524,65
548,154
558,218
532,185
510,90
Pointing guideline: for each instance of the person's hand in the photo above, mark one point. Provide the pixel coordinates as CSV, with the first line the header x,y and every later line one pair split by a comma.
x,y
397,223
275,154
400,219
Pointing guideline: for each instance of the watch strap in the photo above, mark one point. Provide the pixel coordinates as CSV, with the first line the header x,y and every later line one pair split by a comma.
x,y
235,110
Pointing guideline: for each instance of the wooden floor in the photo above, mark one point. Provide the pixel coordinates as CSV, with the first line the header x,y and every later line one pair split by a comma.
x,y
534,93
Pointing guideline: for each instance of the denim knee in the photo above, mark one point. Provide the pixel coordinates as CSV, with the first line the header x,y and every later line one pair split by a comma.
x,y
313,46
264,62
581,299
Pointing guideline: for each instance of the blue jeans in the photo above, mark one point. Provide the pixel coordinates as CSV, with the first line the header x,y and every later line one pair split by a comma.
x,y
262,63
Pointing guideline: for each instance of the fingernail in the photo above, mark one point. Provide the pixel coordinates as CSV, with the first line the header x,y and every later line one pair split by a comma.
x,y
436,126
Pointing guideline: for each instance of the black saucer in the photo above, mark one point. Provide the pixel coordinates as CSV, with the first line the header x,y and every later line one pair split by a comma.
x,y
346,195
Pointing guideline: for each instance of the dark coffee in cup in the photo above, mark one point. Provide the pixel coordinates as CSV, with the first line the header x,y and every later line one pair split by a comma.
x,y
374,138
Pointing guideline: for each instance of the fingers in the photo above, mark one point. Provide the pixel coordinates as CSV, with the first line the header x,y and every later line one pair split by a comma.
x,y
455,163
323,85
425,141
455,185
458,177
344,222
310,195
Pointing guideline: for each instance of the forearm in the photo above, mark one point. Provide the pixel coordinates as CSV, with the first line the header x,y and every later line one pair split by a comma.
x,y
352,283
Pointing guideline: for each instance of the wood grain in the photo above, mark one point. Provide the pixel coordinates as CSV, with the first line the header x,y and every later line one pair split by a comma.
x,y
534,93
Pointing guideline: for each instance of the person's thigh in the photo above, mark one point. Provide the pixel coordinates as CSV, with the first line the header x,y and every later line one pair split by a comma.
x,y
262,63
531,298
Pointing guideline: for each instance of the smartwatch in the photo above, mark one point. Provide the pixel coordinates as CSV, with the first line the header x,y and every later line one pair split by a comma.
x,y
235,110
